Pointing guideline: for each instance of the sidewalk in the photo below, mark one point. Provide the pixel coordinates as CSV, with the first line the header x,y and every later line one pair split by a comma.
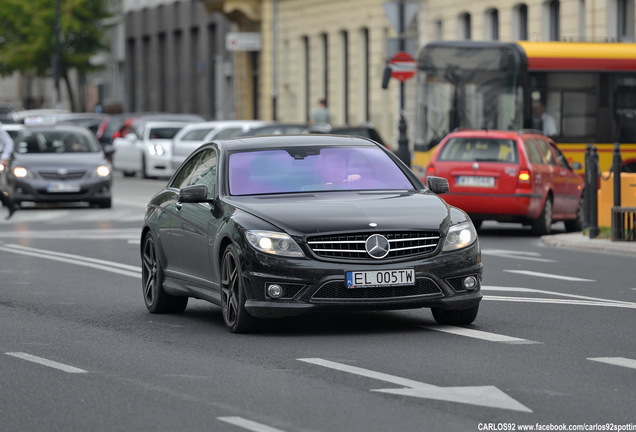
x,y
579,240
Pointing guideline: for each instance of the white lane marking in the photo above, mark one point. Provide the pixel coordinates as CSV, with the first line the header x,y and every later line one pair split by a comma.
x,y
584,300
478,334
248,424
122,269
558,301
46,362
489,396
616,361
549,275
98,234
520,255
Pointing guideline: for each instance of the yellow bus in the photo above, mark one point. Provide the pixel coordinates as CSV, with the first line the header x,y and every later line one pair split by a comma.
x,y
588,90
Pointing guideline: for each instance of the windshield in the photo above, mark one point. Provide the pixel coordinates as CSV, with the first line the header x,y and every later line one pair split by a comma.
x,y
466,86
314,169
56,142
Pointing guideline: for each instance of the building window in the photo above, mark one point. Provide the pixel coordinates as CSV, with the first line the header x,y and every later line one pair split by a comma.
x,y
365,73
554,8
307,80
625,22
464,26
438,29
492,24
520,21
582,28
325,64
345,75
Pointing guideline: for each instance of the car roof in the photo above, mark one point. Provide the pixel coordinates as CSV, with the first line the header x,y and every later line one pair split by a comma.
x,y
284,141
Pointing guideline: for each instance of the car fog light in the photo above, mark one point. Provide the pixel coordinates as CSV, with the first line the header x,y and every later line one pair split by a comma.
x,y
274,291
470,283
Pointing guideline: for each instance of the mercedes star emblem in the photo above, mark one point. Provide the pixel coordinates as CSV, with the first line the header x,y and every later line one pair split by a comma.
x,y
377,246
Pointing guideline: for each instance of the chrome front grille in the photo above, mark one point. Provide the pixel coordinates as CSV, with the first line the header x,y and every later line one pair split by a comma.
x,y
61,175
337,290
402,244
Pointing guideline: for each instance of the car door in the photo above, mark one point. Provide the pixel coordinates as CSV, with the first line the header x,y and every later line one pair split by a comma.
x,y
190,224
569,184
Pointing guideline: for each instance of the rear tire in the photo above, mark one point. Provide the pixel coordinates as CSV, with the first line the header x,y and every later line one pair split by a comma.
x,y
156,299
576,224
455,317
543,225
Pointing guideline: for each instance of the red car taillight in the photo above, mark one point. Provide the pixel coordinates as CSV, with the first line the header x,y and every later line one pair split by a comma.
x,y
430,170
524,180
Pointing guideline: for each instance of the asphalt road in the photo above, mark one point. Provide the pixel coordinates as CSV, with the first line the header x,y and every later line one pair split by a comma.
x,y
553,345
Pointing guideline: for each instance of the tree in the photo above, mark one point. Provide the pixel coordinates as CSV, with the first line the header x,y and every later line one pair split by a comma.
x,y
27,37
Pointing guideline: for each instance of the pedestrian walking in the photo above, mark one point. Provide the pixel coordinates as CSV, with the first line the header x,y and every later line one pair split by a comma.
x,y
6,149
320,115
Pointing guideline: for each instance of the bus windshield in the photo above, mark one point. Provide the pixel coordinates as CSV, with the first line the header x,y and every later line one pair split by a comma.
x,y
478,86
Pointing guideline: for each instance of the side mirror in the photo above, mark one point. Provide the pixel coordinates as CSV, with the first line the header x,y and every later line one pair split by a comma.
x,y
131,137
194,194
438,185
577,165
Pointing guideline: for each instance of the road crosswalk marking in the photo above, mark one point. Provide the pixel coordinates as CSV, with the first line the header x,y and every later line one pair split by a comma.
x,y
478,334
616,361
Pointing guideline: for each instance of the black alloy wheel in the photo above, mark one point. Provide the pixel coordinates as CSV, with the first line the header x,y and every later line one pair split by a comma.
x,y
236,317
156,299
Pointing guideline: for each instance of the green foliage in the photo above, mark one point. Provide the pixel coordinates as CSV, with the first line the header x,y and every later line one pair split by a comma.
x,y
27,34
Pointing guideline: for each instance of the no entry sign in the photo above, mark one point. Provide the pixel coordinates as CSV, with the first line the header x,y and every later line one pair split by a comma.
x,y
403,66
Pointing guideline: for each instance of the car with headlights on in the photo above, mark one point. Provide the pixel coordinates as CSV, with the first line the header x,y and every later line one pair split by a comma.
x,y
59,163
147,149
274,226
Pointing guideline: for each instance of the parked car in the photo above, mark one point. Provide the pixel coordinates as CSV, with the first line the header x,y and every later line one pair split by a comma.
x,y
192,136
12,129
278,226
147,149
509,176
59,163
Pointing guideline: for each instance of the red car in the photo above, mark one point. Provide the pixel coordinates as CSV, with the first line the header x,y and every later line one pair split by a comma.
x,y
509,176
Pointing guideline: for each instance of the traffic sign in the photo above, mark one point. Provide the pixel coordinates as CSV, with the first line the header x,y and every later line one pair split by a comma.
x,y
403,66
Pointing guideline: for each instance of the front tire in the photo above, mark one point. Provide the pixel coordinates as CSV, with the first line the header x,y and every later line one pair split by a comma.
x,y
455,317
236,317
156,299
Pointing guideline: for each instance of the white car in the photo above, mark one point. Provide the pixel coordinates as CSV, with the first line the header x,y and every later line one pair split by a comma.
x,y
192,136
147,149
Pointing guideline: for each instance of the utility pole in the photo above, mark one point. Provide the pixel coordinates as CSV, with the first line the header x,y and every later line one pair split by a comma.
x,y
403,142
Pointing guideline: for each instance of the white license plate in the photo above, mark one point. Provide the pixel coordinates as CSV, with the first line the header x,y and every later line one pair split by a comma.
x,y
476,181
380,278
63,187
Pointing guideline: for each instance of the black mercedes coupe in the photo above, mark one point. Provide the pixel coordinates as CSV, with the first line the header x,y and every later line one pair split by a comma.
x,y
275,226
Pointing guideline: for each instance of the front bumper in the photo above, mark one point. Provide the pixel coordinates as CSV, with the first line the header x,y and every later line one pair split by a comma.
x,y
44,191
310,284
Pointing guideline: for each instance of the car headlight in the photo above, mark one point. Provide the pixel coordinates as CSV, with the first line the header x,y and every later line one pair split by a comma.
x,y
275,243
102,171
155,150
20,172
460,236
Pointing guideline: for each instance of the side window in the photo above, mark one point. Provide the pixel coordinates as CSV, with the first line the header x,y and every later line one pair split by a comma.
x,y
560,158
533,152
205,172
184,174
546,152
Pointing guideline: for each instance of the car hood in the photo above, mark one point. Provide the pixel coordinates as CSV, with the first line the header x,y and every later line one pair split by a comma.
x,y
348,211
54,160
